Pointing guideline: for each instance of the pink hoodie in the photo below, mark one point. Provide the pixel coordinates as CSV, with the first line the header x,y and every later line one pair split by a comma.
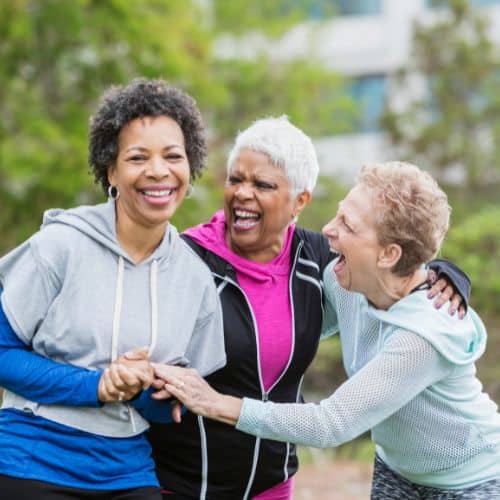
x,y
266,286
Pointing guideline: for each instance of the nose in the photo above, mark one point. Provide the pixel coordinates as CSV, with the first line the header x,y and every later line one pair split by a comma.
x,y
330,229
244,191
158,167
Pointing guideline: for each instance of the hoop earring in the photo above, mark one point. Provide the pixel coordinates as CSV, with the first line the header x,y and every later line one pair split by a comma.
x,y
113,192
190,191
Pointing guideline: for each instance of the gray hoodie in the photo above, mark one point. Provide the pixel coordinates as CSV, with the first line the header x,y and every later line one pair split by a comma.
x,y
73,295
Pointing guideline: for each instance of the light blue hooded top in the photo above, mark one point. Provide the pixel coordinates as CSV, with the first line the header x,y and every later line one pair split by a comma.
x,y
412,381
73,295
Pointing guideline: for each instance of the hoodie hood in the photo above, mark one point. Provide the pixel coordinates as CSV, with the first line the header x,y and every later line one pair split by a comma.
x,y
98,222
459,341
212,236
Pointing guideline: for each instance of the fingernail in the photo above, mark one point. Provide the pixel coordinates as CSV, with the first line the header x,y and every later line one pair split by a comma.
x,y
430,295
453,311
437,306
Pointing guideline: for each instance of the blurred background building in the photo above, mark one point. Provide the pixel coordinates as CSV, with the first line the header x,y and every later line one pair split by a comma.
x,y
368,42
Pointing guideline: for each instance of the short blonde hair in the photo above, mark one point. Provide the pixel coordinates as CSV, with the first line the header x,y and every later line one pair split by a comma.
x,y
410,209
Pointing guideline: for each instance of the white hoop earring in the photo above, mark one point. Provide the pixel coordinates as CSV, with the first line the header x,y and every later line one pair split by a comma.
x,y
113,192
190,191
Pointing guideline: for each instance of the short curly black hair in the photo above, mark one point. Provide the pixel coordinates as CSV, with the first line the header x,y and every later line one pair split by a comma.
x,y
140,98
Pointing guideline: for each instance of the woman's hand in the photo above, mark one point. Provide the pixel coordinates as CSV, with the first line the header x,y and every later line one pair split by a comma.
x,y
444,291
186,385
126,377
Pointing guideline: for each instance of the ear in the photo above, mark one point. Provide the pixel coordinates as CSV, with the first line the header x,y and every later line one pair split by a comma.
x,y
389,256
301,202
111,173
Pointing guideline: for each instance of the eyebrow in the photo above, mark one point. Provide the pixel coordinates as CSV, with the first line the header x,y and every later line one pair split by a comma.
x,y
141,148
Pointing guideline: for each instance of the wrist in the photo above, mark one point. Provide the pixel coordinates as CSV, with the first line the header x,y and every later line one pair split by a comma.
x,y
228,409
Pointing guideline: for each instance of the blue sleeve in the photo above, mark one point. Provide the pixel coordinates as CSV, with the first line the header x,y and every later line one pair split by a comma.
x,y
40,379
158,411
460,281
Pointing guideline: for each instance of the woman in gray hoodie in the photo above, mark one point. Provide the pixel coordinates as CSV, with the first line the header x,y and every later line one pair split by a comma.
x,y
85,289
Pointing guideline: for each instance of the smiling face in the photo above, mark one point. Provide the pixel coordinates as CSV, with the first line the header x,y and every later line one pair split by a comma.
x,y
259,205
151,172
353,234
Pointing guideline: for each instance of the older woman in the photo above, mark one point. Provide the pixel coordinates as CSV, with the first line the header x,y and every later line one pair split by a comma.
x,y
411,367
269,276
93,283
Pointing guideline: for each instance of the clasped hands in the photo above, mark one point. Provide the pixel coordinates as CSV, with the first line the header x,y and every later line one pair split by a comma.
x,y
133,372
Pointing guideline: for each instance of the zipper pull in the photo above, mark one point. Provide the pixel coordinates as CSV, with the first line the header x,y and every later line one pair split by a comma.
x,y
265,397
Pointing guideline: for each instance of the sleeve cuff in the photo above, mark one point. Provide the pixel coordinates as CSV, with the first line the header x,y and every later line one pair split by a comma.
x,y
251,415
90,392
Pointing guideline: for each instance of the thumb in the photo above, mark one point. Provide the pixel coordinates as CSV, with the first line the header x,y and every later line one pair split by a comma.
x,y
140,353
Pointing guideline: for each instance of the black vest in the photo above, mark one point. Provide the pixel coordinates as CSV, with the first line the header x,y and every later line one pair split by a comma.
x,y
201,458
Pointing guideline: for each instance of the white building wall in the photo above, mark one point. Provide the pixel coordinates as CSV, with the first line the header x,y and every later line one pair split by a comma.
x,y
356,46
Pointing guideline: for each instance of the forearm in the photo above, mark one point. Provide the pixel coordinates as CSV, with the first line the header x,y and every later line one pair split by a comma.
x,y
389,381
226,410
40,379
45,381
311,424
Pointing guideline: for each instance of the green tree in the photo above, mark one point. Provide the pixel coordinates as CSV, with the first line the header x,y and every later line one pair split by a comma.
x,y
56,57
474,245
455,119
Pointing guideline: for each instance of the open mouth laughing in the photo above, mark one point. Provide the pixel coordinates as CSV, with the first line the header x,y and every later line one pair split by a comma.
x,y
340,264
160,195
245,219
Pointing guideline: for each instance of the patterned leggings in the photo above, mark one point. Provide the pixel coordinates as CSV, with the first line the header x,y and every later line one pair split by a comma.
x,y
388,485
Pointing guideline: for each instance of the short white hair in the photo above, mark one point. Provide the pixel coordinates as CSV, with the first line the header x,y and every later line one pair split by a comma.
x,y
286,146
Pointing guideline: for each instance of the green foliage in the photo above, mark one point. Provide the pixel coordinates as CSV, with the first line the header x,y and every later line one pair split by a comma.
x,y
456,119
323,206
474,245
241,17
309,95
56,58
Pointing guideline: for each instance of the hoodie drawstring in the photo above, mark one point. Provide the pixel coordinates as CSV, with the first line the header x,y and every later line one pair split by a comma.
x,y
154,305
118,310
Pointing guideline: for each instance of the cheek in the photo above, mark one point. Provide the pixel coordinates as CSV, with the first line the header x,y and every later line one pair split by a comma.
x,y
228,196
184,173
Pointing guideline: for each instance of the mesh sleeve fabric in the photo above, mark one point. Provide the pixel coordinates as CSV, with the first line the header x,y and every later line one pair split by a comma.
x,y
329,325
405,367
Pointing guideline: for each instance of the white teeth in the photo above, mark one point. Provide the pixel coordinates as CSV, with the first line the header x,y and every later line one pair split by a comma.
x,y
246,215
158,194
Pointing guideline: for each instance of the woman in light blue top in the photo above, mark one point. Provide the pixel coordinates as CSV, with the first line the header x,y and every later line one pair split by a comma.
x,y
412,378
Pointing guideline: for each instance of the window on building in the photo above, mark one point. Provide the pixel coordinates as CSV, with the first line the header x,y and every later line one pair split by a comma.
x,y
358,7
474,3
369,93
325,8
